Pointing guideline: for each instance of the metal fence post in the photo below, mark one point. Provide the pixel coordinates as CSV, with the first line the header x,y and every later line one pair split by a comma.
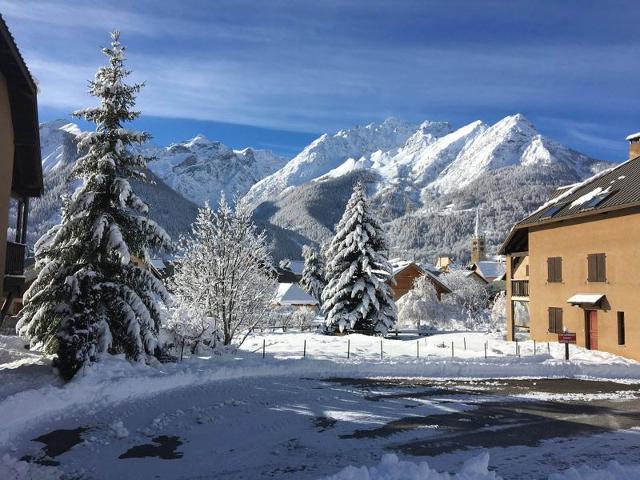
x,y
304,349
380,349
485,350
348,347
451,348
264,346
464,340
418,349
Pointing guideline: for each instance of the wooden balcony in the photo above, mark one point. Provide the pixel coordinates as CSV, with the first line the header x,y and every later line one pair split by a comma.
x,y
519,288
14,264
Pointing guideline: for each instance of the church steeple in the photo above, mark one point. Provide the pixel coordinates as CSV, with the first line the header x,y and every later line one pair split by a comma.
x,y
478,252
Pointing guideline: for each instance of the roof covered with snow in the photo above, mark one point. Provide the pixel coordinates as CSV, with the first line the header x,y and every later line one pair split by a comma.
x,y
292,294
490,269
611,189
585,298
633,136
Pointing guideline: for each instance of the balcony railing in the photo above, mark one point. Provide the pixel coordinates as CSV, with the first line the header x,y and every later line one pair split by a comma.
x,y
519,288
14,264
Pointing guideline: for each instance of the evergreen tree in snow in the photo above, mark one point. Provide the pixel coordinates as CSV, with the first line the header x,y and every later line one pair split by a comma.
x,y
224,275
92,293
312,280
357,296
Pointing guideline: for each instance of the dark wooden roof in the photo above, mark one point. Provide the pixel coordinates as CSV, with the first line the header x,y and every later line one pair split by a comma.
x,y
27,165
620,187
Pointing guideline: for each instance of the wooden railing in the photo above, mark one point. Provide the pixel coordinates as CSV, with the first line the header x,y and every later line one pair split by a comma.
x,y
14,264
519,288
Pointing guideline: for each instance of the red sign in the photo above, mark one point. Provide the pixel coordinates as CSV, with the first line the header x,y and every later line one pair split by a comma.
x,y
567,337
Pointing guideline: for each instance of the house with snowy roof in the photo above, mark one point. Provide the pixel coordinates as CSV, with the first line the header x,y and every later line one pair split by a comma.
x,y
292,295
405,273
572,264
490,270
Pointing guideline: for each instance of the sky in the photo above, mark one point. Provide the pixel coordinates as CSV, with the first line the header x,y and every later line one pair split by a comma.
x,y
276,74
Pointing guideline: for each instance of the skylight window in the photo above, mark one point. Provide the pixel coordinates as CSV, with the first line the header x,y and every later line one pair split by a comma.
x,y
551,211
596,200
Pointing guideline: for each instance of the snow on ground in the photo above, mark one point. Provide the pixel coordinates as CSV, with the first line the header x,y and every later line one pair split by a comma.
x,y
287,387
33,391
391,468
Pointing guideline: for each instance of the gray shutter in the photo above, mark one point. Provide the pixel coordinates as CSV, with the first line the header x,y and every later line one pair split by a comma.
x,y
592,268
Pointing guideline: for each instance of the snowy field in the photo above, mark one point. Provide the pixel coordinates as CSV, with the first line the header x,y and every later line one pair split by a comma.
x,y
310,414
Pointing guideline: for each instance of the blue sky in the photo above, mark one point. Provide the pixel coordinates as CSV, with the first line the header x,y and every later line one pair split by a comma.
x,y
275,74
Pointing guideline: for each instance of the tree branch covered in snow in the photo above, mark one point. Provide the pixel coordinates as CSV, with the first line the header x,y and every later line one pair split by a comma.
x,y
313,281
356,295
93,294
224,274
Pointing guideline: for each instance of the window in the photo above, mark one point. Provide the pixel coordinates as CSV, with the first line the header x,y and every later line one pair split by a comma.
x,y
551,211
597,267
554,269
620,328
555,320
596,200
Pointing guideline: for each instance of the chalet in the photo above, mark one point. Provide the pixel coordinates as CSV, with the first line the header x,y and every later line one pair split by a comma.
x,y
292,295
405,274
572,265
20,164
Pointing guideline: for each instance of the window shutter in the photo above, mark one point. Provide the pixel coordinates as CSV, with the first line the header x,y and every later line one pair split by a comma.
x,y
591,264
559,269
552,320
602,269
558,320
549,269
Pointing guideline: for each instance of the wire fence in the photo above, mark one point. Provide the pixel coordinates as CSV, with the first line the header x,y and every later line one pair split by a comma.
x,y
502,349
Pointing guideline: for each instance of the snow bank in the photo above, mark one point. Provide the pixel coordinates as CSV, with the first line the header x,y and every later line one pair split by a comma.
x,y
476,468
391,468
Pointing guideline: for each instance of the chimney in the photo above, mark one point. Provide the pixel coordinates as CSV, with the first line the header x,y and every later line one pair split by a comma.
x,y
634,145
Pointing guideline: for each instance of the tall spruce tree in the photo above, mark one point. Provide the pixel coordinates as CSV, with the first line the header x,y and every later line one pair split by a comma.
x,y
92,293
357,296
312,281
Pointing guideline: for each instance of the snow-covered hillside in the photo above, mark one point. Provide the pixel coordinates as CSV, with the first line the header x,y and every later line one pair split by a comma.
x,y
59,152
426,181
200,169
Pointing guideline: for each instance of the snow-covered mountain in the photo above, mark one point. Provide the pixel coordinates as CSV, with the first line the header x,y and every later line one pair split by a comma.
x,y
200,169
58,140
335,155
419,172
426,181
431,156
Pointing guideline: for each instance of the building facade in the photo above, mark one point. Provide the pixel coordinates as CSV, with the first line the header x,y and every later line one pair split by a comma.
x,y
573,264
20,164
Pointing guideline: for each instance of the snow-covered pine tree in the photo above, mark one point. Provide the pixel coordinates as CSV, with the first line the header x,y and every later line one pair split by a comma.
x,y
225,272
312,281
357,296
92,293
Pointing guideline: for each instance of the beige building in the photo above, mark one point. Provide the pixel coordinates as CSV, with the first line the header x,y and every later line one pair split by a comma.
x,y
20,163
573,265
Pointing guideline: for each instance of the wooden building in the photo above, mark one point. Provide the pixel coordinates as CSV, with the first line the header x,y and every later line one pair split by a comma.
x,y
405,274
20,163
573,264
